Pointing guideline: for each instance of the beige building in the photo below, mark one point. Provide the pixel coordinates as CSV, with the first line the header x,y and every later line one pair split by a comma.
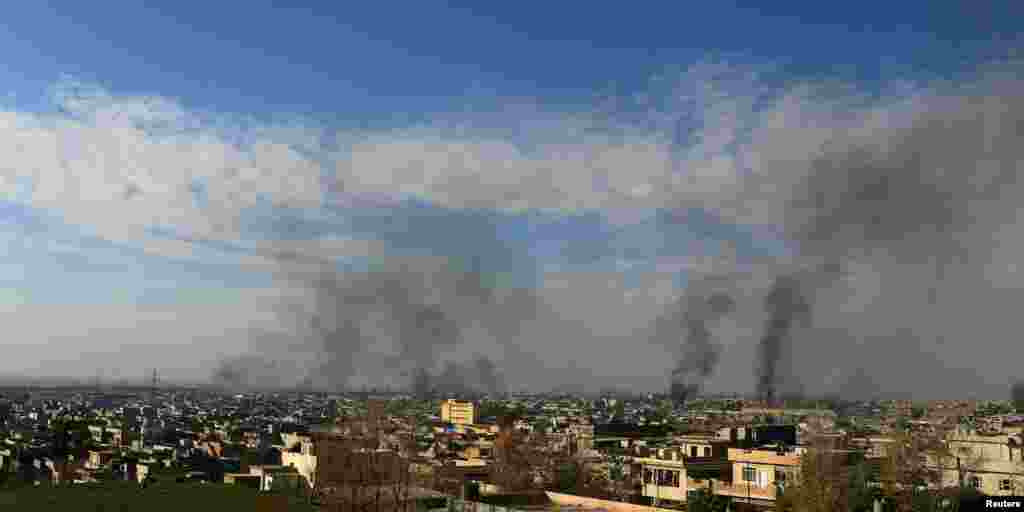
x,y
757,473
696,445
991,463
303,461
99,459
663,479
459,412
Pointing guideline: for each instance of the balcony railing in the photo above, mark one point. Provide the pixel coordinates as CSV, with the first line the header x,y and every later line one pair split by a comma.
x,y
742,490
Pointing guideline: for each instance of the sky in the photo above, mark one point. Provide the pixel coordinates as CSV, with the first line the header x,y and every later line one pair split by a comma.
x,y
156,156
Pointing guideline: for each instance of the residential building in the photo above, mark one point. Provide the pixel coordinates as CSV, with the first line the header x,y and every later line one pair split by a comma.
x,y
991,463
698,445
459,412
664,480
757,473
304,460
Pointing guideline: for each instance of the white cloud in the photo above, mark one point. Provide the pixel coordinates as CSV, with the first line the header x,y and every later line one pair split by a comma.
x,y
121,165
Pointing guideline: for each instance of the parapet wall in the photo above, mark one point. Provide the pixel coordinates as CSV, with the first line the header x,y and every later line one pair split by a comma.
x,y
570,500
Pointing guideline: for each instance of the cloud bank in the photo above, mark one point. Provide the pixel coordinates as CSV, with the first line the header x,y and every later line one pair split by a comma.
x,y
906,193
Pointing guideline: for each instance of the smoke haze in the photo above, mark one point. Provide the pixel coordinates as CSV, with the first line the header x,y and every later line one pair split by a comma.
x,y
903,193
893,212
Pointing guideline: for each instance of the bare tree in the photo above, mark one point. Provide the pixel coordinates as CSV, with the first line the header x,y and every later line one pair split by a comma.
x,y
821,484
519,458
359,468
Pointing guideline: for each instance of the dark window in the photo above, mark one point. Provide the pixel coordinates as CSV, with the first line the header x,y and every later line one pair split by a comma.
x,y
976,482
647,476
707,451
693,451
1005,485
749,474
664,477
675,479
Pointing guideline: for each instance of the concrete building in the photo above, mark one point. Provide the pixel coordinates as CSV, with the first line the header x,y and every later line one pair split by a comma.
x,y
991,463
243,479
134,470
756,474
664,479
303,461
277,478
698,445
459,412
99,459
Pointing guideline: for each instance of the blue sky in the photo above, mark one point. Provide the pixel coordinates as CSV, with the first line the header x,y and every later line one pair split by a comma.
x,y
193,95
356,62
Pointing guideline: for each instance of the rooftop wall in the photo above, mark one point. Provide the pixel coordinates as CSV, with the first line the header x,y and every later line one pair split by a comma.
x,y
570,500
763,457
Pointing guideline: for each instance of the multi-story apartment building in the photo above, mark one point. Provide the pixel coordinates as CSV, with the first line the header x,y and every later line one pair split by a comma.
x,y
991,463
698,445
459,412
758,473
664,479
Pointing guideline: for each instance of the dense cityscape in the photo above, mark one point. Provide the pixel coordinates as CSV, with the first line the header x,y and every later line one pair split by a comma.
x,y
609,451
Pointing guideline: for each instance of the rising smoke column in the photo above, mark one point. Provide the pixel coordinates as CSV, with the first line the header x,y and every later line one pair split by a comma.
x,y
786,305
246,372
422,306
686,326
479,376
395,303
489,378
1017,396
924,184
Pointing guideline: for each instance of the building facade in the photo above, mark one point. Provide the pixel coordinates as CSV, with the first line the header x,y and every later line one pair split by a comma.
x,y
459,412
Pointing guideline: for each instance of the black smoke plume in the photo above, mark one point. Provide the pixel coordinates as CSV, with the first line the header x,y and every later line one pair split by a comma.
x,y
246,372
1017,396
926,186
474,378
408,301
699,355
786,305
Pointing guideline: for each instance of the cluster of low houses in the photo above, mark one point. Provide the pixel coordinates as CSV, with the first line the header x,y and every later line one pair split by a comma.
x,y
741,455
749,463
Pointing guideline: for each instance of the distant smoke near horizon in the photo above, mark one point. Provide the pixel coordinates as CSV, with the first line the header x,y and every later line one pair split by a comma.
x,y
900,200
897,211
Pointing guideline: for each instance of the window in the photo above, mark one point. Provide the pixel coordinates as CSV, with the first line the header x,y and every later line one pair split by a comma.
x,y
647,476
675,479
780,476
1005,485
975,482
707,451
664,477
749,474
693,451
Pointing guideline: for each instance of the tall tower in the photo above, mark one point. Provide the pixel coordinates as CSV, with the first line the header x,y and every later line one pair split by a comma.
x,y
152,392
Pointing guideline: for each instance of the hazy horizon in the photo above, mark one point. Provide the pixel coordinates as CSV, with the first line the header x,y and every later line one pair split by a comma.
x,y
483,198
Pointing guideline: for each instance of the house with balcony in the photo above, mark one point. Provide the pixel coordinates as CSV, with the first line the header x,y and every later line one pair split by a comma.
x,y
992,463
758,473
671,477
